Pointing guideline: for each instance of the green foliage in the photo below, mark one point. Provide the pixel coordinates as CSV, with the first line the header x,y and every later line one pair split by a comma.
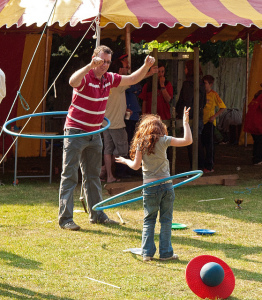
x,y
207,51
63,46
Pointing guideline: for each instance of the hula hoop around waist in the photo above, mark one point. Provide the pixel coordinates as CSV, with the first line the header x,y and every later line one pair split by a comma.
x,y
52,113
98,206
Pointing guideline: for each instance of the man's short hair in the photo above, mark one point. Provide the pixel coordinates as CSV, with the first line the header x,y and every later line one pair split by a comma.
x,y
102,48
209,78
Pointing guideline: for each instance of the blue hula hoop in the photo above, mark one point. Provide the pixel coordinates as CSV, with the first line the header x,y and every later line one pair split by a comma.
x,y
33,136
98,206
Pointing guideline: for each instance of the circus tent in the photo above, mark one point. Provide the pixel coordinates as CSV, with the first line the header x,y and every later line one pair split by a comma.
x,y
22,21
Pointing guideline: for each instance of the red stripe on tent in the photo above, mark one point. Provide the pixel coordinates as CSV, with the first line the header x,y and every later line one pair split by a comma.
x,y
3,4
147,34
150,12
216,10
254,32
204,34
257,4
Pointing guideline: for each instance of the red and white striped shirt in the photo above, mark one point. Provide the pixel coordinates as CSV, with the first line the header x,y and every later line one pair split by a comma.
x,y
88,105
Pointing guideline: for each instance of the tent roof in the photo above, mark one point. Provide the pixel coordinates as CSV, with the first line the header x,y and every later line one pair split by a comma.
x,y
173,20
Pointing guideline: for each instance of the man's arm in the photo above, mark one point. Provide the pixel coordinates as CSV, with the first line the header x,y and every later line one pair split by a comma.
x,y
76,79
139,74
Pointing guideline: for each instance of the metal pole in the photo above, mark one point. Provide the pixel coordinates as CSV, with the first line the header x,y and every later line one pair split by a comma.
x,y
196,109
98,35
154,84
44,89
51,161
128,46
15,173
247,75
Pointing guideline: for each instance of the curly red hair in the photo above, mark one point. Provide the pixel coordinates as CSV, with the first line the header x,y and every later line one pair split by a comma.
x,y
148,131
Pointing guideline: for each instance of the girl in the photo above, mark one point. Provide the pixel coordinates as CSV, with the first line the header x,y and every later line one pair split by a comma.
x,y
149,147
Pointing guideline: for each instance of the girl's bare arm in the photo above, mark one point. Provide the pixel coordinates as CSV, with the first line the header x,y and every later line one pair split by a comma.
x,y
133,164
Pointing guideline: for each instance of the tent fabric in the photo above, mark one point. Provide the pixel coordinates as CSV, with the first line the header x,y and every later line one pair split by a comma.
x,y
32,91
173,20
254,85
11,56
14,60
30,12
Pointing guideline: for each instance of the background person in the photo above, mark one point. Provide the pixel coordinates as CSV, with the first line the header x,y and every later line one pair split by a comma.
x,y
253,125
149,148
115,137
164,96
2,85
186,98
209,119
92,85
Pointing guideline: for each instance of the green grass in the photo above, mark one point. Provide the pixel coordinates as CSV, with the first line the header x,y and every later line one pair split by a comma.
x,y
38,260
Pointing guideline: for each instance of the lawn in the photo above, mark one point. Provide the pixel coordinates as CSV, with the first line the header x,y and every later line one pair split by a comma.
x,y
38,260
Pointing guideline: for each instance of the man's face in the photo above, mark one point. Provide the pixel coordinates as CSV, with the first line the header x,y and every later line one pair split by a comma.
x,y
104,67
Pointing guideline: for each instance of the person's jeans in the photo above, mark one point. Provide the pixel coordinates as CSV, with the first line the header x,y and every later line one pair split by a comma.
x,y
158,198
85,152
257,148
208,144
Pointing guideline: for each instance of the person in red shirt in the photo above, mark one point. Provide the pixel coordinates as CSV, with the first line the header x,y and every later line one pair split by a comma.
x,y
253,125
164,96
91,87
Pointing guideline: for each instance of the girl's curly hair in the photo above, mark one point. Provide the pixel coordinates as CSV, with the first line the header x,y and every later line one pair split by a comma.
x,y
148,130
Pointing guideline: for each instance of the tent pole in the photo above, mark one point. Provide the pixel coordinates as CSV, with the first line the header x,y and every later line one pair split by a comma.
x,y
247,75
154,84
128,46
44,89
196,110
98,35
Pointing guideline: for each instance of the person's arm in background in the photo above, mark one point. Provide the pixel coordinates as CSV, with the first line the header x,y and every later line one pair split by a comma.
x,y
219,112
165,90
139,74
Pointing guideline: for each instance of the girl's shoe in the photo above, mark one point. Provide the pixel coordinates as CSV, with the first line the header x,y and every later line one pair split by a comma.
x,y
175,256
147,258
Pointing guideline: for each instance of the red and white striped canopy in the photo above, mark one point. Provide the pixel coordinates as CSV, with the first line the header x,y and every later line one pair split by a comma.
x,y
173,20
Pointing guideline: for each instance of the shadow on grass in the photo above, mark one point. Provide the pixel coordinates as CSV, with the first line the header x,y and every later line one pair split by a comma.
x,y
138,233
12,292
230,250
18,261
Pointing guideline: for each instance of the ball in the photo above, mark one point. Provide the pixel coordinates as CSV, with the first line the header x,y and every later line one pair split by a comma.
x,y
212,274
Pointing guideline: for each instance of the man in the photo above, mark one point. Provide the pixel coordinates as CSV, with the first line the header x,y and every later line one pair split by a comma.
x,y
92,85
115,137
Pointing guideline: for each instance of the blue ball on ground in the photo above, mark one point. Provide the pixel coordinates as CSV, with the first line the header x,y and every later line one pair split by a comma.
x,y
212,274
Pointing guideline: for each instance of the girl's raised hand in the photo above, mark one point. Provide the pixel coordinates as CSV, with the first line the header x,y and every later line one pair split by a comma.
x,y
186,115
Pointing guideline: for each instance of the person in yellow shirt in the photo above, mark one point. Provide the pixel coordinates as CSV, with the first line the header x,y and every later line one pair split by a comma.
x,y
209,119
